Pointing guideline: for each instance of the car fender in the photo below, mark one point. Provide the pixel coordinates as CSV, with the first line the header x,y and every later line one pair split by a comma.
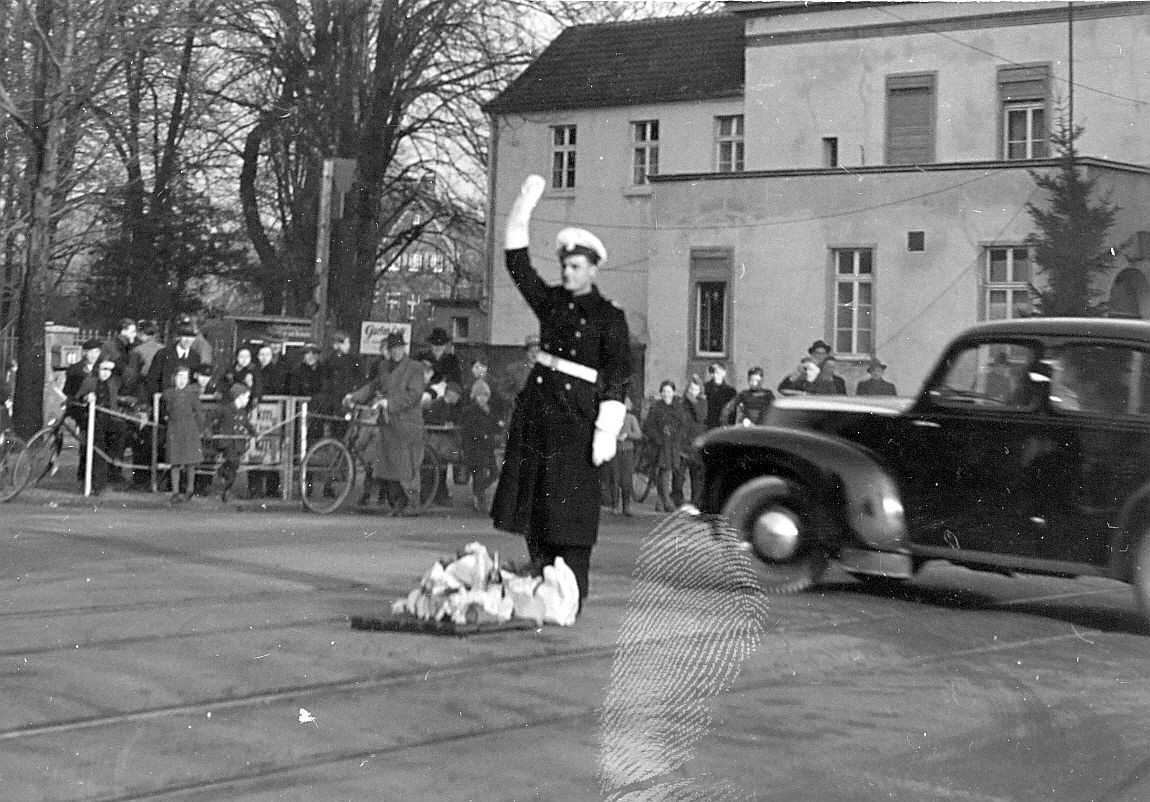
x,y
1133,522
871,504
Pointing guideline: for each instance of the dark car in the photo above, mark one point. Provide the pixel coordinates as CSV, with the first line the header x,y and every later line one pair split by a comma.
x,y
1027,451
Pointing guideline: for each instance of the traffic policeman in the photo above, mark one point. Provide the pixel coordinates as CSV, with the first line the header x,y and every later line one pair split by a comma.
x,y
568,415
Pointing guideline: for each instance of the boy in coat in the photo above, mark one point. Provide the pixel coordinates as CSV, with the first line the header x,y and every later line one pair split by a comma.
x,y
185,418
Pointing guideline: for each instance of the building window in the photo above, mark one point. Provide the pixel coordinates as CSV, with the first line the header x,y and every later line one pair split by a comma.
x,y
563,157
1023,93
645,135
830,151
854,300
460,328
910,119
1006,281
710,304
729,143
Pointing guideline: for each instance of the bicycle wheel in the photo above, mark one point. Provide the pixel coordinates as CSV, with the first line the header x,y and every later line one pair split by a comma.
x,y
326,476
641,484
10,448
430,475
39,458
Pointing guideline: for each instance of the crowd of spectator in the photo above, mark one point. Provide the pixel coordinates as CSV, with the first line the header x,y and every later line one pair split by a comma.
x,y
672,422
459,411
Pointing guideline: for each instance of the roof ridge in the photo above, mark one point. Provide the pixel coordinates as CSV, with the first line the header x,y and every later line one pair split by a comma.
x,y
621,23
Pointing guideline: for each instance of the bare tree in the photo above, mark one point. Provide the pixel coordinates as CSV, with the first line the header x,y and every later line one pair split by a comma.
x,y
397,87
56,69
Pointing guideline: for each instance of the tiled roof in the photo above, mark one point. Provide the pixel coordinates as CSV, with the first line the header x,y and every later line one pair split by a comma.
x,y
627,63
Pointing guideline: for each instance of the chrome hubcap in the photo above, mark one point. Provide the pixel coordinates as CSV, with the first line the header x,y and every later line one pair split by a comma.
x,y
775,534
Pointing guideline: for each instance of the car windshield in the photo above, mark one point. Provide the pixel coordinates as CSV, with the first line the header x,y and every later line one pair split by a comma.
x,y
988,374
1099,379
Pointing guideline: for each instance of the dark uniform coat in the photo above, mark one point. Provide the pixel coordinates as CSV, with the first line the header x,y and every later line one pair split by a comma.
x,y
164,365
185,417
398,451
548,489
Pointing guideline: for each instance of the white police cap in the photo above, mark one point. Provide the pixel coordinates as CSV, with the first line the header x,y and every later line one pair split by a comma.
x,y
571,239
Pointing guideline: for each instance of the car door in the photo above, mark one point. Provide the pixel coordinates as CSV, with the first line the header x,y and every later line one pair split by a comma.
x,y
961,456
1099,416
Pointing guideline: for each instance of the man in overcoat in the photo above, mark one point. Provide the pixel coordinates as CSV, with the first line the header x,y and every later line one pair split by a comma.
x,y
568,416
398,452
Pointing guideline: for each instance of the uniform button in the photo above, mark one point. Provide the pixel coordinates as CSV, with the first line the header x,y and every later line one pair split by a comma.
x,y
582,321
578,334
572,352
570,306
567,386
539,380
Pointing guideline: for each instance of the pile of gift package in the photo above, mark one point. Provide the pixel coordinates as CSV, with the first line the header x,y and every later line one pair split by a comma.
x,y
474,589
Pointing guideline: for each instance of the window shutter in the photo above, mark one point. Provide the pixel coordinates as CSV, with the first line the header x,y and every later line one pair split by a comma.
x,y
910,119
1023,83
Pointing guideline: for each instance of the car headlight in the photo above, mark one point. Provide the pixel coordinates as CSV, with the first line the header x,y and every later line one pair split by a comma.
x,y
892,506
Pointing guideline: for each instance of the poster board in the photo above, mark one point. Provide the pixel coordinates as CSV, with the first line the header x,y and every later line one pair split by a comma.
x,y
372,335
266,448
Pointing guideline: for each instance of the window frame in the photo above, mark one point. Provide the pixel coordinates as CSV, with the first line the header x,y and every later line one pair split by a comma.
x,y
564,141
855,279
644,151
911,81
710,266
736,139
1023,87
1010,285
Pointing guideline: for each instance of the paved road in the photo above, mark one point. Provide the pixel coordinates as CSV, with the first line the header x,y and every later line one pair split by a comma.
x,y
159,654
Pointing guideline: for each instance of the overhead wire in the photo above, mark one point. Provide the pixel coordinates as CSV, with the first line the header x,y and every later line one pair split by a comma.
x,y
1076,84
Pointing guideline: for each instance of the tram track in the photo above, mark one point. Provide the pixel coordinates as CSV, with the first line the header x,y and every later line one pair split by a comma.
x,y
259,776
425,673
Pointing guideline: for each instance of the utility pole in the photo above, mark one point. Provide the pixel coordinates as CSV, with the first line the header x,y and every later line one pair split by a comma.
x,y
1070,62
322,255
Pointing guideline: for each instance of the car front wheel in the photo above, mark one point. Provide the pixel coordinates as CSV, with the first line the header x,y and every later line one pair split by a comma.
x,y
1141,577
782,533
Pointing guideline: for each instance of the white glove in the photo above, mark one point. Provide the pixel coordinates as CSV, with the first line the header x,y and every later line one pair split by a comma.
x,y
607,427
519,217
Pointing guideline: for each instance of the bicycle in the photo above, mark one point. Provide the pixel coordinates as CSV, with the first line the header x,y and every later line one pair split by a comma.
x,y
11,444
646,473
333,464
40,456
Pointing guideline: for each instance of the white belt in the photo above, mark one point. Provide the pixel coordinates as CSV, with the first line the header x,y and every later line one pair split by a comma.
x,y
567,366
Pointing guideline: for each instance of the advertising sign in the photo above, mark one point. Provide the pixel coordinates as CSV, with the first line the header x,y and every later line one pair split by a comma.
x,y
266,450
372,335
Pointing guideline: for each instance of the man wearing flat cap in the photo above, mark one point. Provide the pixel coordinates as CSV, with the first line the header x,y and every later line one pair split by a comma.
x,y
568,416
875,384
396,455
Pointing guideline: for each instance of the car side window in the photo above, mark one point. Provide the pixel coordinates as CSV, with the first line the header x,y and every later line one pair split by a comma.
x,y
1099,379
993,375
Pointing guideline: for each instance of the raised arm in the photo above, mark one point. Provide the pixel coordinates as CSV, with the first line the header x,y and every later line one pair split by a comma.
x,y
517,238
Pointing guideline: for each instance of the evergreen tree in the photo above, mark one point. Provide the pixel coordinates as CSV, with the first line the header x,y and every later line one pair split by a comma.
x,y
1068,245
159,266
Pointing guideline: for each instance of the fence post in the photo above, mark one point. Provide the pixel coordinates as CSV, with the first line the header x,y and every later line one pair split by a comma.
x,y
90,439
155,440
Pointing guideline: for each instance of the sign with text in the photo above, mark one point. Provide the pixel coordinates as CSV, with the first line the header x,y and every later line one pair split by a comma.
x,y
373,334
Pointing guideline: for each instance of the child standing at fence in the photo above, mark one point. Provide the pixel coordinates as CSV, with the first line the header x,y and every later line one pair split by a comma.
x,y
231,432
623,466
185,418
480,436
